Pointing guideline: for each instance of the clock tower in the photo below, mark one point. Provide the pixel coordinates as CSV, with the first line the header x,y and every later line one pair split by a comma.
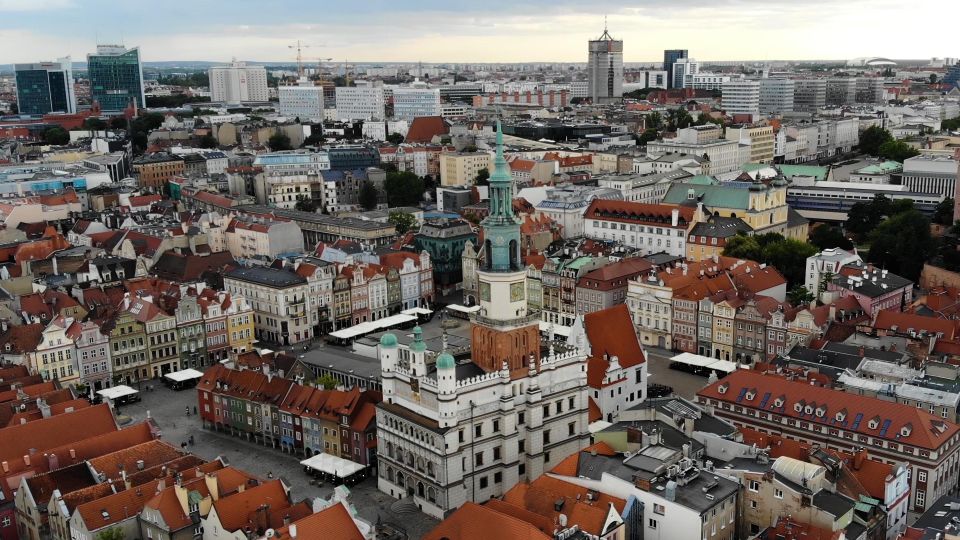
x,y
503,330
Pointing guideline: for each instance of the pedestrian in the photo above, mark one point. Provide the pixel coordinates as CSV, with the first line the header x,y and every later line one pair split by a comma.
x,y
270,475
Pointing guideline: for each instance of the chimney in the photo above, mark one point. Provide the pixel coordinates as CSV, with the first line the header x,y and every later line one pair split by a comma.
x,y
6,466
293,530
858,458
862,352
53,461
4,324
26,459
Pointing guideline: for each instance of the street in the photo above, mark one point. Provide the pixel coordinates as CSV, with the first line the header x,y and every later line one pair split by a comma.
x,y
684,384
167,408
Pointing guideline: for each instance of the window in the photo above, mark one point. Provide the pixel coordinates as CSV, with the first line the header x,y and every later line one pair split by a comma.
x,y
478,459
921,497
571,428
777,493
521,417
659,509
546,411
546,437
753,504
754,486
496,426
922,476
521,446
652,523
460,435
478,430
496,453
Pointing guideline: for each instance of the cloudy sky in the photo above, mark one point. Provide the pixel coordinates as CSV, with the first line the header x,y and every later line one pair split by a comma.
x,y
478,31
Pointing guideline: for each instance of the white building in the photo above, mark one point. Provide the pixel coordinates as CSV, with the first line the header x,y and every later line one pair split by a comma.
x,y
360,103
724,156
826,263
650,79
566,204
303,101
704,81
416,100
741,96
655,228
683,67
930,174
776,96
238,82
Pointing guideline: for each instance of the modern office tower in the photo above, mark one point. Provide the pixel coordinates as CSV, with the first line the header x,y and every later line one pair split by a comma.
x,y
841,91
360,103
415,101
680,71
605,69
670,57
45,87
116,77
869,90
809,95
303,101
741,96
776,96
237,83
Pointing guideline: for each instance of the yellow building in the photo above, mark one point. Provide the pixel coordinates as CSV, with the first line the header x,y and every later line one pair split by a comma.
x,y
760,139
723,314
240,334
761,206
461,168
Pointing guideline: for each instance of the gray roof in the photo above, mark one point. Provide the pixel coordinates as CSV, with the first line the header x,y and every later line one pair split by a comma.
x,y
833,503
720,227
940,514
270,277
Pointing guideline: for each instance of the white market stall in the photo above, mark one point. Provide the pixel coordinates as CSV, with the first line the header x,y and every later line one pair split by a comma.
x,y
461,312
119,394
702,365
334,469
185,378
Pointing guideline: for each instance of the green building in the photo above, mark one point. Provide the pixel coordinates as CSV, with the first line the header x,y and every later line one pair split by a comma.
x,y
116,77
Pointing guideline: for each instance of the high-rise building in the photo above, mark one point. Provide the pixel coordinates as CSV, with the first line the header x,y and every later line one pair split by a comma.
x,y
841,91
303,101
682,72
238,82
360,103
45,87
869,90
116,77
741,96
605,69
776,96
670,57
809,95
415,101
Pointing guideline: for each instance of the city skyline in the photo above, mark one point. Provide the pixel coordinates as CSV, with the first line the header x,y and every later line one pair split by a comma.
x,y
500,31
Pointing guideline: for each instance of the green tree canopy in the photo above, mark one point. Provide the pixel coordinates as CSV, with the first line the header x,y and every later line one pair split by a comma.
x,y
316,138
897,151
94,124
327,382
403,188
368,195
402,221
799,295
483,177
394,138
787,255
872,138
305,204
56,136
118,122
114,533
829,236
902,244
864,217
208,141
943,215
648,135
279,141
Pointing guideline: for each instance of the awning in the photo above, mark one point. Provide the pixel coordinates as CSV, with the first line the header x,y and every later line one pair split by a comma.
x,y
558,329
705,362
115,392
333,465
416,311
184,375
372,326
463,309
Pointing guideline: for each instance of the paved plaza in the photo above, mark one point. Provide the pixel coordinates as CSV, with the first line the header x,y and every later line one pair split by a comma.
x,y
167,408
685,385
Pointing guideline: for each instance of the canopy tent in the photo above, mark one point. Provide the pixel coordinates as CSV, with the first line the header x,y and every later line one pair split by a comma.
x,y
705,362
558,329
184,375
116,392
416,311
332,465
358,330
463,309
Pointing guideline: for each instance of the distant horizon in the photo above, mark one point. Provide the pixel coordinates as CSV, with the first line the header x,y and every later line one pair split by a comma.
x,y
496,32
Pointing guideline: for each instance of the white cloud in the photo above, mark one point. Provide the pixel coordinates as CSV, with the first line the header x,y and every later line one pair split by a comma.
x,y
33,5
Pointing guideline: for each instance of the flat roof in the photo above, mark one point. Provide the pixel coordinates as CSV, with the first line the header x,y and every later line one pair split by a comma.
x,y
115,392
184,375
330,464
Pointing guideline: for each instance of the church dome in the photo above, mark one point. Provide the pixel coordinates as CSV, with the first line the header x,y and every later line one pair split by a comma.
x,y
445,361
388,340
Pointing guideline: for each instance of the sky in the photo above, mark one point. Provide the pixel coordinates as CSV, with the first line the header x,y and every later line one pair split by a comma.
x,y
478,31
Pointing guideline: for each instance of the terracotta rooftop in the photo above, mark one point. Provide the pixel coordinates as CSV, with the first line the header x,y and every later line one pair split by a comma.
x,y
611,333
474,522
240,509
905,322
634,212
318,525
128,460
424,128
116,508
544,494
16,441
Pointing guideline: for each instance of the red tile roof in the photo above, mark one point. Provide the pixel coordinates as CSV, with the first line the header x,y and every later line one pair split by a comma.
x,y
16,441
335,518
116,508
240,509
568,466
611,333
927,431
904,322
543,494
424,128
634,212
474,522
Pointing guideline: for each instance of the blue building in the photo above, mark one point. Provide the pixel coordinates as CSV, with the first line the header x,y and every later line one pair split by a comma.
x,y
354,157
45,87
116,77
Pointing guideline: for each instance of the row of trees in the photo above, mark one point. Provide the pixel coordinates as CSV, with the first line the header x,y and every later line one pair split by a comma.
x,y
878,142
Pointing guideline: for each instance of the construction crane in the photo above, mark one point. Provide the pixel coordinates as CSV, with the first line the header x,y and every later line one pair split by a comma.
x,y
299,47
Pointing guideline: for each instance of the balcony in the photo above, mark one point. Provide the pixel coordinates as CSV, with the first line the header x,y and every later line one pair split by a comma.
x,y
532,317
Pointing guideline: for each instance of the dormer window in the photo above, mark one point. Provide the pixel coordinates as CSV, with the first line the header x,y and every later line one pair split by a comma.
x,y
750,395
906,430
798,406
821,411
778,402
723,388
874,422
841,415
808,409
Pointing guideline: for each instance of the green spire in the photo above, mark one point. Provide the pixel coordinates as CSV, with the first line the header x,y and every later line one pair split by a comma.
x,y
501,170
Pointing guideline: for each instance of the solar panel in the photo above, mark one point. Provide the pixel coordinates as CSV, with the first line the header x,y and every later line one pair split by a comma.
x,y
856,421
766,398
884,427
743,392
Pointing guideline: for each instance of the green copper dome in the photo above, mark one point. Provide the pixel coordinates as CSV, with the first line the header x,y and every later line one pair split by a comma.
x,y
388,340
418,345
445,361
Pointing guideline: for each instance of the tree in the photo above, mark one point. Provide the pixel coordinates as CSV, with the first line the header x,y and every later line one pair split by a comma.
x,y
787,255
678,118
115,533
56,136
305,204
902,244
897,151
483,177
394,138
402,221
327,382
872,138
943,214
403,188
208,141
654,120
864,217
933,78
648,135
118,122
951,124
799,295
829,236
94,124
316,138
368,195
279,141
743,246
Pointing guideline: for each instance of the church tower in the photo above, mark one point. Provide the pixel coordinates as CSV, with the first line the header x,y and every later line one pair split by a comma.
x,y
503,330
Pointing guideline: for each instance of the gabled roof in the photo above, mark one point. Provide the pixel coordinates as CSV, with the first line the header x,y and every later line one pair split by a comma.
x,y
542,496
116,508
22,338
925,430
903,322
424,128
16,441
319,525
634,212
238,510
474,522
187,268
611,333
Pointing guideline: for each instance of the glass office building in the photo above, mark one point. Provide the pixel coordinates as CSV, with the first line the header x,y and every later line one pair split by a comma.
x,y
670,57
45,87
116,77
